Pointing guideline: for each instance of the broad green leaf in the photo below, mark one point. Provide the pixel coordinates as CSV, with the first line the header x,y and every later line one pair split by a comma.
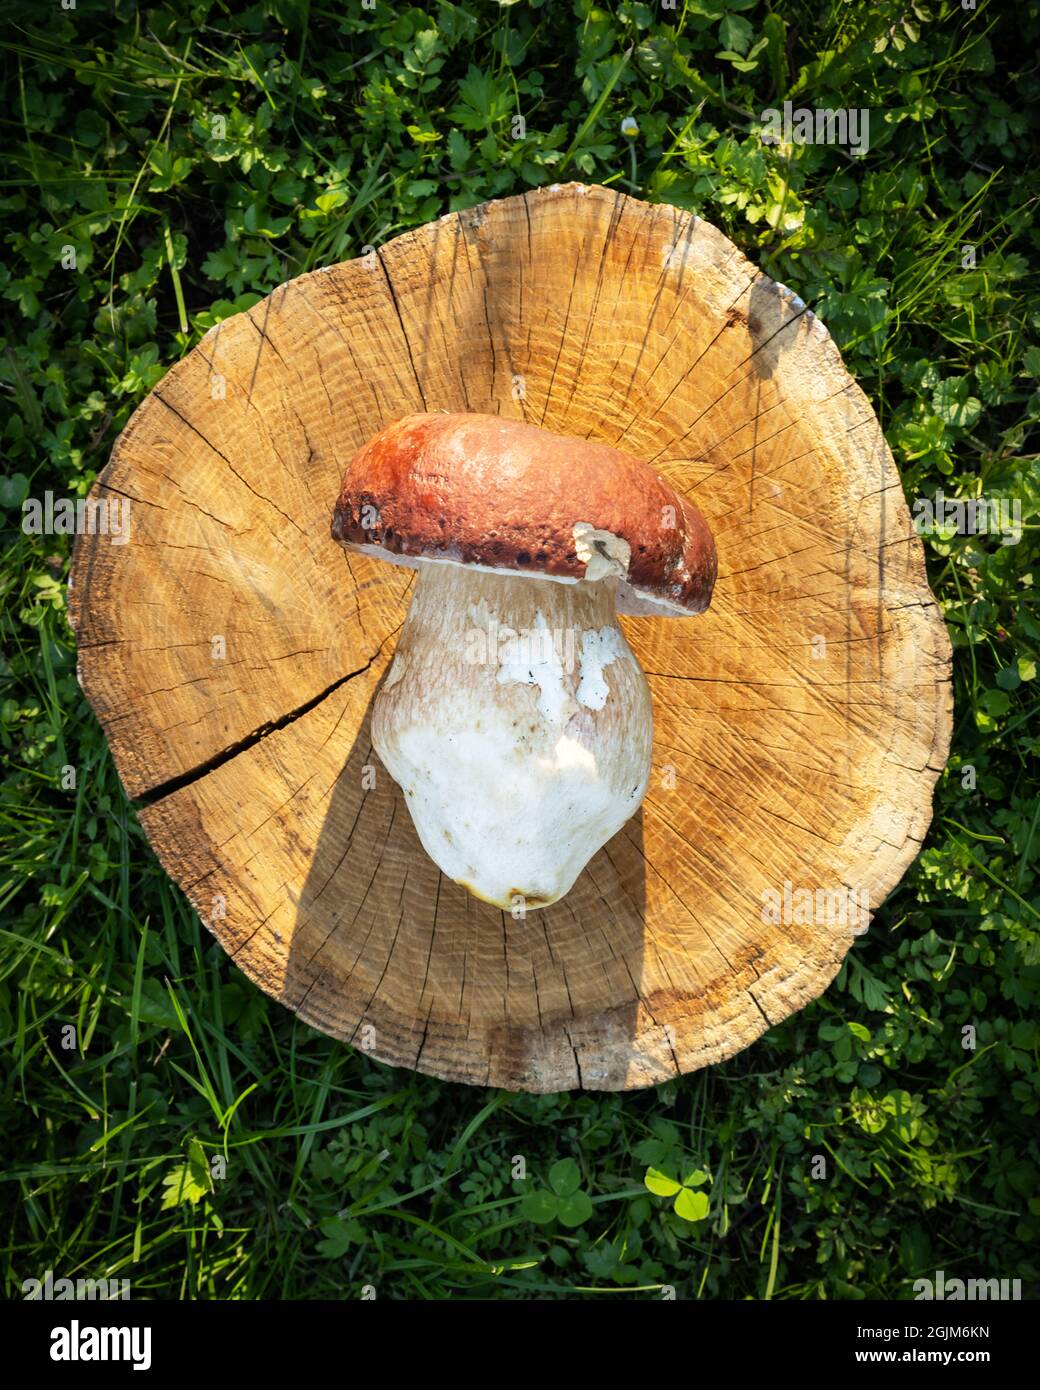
x,y
660,1184
736,33
575,1209
539,1206
952,403
13,490
190,1181
339,1236
564,1177
996,702
692,1206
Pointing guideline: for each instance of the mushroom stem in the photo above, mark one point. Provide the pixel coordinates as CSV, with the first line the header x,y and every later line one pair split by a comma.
x,y
518,722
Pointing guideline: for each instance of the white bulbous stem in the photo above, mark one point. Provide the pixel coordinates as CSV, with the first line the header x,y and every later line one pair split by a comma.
x,y
518,722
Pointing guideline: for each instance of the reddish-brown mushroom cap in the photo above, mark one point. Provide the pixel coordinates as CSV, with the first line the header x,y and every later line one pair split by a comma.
x,y
506,495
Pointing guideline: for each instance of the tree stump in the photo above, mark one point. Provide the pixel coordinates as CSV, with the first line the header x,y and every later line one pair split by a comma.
x,y
232,651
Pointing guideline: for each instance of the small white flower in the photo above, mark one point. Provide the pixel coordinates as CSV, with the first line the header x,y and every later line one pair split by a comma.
x,y
629,128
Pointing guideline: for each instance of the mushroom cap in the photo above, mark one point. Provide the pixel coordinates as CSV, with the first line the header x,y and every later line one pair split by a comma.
x,y
504,495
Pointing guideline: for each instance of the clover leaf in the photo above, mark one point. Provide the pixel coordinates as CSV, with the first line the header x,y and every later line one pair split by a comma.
x,y
689,1204
565,1202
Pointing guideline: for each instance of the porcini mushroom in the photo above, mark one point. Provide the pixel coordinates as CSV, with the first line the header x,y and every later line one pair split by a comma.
x,y
515,716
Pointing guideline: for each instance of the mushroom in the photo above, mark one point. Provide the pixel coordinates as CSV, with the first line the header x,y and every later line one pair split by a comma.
x,y
515,716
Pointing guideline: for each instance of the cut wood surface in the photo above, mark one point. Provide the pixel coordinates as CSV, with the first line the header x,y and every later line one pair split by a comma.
x,y
232,650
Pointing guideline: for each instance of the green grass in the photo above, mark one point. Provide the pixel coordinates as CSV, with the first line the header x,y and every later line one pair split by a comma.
x,y
344,127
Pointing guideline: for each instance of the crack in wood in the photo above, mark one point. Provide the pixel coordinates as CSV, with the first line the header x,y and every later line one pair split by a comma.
x,y
185,779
